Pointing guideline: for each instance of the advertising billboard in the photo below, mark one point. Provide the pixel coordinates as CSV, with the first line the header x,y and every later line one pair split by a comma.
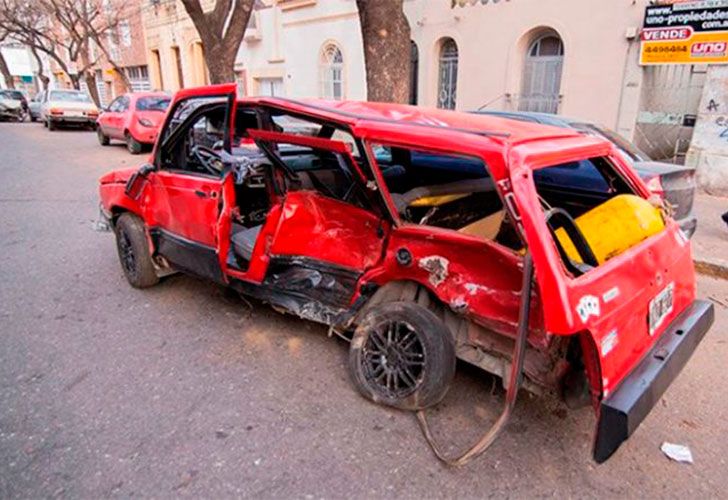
x,y
685,33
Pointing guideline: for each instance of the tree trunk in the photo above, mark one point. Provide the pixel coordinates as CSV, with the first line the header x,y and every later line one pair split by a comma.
x,y
9,83
41,76
93,91
386,36
221,30
220,63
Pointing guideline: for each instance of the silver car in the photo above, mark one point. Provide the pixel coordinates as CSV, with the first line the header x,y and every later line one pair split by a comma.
x,y
68,107
12,106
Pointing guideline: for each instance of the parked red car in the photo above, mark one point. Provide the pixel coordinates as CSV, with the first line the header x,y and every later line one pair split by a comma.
x,y
423,236
133,118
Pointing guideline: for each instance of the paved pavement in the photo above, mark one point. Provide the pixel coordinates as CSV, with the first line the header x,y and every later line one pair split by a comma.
x,y
182,389
710,241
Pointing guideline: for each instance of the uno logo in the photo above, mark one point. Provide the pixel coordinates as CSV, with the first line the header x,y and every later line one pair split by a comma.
x,y
666,34
708,49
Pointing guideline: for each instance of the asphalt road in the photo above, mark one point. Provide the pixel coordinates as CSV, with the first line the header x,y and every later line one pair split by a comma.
x,y
184,390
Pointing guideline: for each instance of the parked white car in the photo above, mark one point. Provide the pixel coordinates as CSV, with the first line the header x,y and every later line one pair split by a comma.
x,y
68,107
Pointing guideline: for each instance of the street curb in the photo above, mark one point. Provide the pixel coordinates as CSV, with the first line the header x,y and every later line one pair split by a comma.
x,y
714,268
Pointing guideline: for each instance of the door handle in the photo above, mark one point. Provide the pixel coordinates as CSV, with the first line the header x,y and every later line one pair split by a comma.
x,y
200,194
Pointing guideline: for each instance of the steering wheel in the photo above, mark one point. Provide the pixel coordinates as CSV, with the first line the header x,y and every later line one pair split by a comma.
x,y
208,158
582,246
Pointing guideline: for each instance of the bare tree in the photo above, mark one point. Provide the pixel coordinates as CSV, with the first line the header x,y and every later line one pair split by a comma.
x,y
221,30
64,30
386,36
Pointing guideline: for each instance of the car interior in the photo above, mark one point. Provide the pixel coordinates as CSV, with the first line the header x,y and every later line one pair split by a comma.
x,y
279,167
446,191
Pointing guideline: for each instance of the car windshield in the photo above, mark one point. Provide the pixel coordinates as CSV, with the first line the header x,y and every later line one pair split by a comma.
x,y
153,103
11,94
628,150
69,96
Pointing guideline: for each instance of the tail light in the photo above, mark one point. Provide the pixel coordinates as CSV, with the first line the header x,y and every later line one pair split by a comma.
x,y
92,112
654,184
56,111
145,123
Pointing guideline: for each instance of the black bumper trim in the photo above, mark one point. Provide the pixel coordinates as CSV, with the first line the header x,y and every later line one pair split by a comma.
x,y
622,411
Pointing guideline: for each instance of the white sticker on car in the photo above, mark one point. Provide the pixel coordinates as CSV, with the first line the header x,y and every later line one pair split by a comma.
x,y
610,294
587,307
609,341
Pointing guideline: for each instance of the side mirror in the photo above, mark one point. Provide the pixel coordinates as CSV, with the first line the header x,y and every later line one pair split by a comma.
x,y
135,184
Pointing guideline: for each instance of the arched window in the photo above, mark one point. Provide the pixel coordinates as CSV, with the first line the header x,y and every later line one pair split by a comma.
x,y
414,72
332,72
448,80
542,75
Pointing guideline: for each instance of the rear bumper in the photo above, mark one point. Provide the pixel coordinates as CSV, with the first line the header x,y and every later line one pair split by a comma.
x,y
85,120
622,411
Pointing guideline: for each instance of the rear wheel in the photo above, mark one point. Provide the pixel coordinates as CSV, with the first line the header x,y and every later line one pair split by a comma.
x,y
51,126
103,138
134,146
402,355
133,248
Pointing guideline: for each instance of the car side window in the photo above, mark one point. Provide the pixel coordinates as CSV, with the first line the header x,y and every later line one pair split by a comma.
x,y
196,146
123,104
114,107
447,191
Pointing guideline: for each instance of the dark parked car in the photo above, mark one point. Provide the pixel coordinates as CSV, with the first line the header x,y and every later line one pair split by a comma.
x,y
675,183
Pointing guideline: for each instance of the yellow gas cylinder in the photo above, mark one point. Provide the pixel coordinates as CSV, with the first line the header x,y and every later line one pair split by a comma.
x,y
614,226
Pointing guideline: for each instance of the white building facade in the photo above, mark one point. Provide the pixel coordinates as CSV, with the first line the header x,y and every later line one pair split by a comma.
x,y
573,57
578,58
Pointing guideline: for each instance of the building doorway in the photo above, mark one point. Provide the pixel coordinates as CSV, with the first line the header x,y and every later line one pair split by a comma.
x,y
448,79
541,87
414,72
668,110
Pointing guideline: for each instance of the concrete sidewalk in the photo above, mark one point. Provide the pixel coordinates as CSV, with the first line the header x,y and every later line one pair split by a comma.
x,y
710,241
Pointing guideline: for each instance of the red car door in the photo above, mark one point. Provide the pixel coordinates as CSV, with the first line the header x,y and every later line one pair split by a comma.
x,y
185,189
107,119
324,239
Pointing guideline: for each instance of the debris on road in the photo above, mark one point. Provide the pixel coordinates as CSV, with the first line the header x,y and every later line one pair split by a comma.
x,y
677,452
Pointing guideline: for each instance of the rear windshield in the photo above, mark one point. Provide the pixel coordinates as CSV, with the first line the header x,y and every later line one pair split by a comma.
x,y
153,103
68,96
11,94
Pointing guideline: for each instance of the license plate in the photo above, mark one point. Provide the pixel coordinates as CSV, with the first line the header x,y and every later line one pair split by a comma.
x,y
660,308
74,113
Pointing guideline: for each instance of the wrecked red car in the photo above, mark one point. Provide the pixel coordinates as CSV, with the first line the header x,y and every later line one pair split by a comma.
x,y
424,236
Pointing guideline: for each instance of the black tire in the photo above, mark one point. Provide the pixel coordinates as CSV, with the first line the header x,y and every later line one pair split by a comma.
x,y
132,145
133,248
33,118
51,126
103,138
402,355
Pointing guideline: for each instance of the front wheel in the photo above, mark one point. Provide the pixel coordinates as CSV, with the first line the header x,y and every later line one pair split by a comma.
x,y
402,355
133,248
